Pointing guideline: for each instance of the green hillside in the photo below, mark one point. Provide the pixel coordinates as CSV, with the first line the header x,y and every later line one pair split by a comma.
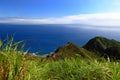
x,y
70,50
96,47
113,52
100,45
68,62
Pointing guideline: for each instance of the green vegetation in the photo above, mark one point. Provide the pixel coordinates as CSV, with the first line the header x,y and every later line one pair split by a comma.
x,y
18,65
81,69
70,50
103,46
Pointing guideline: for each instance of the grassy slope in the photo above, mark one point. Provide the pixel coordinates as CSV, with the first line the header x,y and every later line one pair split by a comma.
x,y
100,44
70,50
15,65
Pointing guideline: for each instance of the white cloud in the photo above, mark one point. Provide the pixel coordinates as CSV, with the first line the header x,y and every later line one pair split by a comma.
x,y
98,19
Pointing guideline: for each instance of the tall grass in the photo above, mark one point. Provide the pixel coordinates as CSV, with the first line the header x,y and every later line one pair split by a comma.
x,y
16,65
81,69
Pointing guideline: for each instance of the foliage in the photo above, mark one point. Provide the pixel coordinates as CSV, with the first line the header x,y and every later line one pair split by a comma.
x,y
103,46
18,65
14,64
81,69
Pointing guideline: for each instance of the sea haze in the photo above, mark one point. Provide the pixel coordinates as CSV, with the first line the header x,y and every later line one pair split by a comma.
x,y
46,38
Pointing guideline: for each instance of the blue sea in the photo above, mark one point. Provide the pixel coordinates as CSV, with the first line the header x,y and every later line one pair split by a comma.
x,y
43,39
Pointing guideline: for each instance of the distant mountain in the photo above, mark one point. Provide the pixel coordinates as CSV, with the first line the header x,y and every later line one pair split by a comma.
x,y
70,50
103,46
96,47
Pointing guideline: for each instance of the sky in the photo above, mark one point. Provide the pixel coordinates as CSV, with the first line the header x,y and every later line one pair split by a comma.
x,y
90,12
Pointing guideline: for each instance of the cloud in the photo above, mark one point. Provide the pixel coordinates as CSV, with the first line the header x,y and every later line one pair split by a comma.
x,y
98,19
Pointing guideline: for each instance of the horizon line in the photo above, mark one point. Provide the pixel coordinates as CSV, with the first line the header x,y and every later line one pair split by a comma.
x,y
97,19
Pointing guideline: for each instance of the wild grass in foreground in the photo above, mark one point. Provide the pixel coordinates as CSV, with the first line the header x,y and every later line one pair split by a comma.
x,y
81,69
16,65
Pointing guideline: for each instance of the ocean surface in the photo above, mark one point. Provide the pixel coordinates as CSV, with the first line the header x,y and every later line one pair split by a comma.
x,y
43,39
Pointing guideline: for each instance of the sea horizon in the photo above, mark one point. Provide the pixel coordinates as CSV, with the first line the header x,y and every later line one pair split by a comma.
x,y
46,38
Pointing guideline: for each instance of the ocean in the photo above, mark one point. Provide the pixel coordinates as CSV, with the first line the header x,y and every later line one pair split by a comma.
x,y
44,39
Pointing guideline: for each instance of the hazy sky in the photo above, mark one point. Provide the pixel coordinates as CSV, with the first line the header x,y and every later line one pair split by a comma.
x,y
55,8
61,11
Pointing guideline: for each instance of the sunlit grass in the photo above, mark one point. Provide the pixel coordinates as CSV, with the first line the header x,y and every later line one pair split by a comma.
x,y
17,65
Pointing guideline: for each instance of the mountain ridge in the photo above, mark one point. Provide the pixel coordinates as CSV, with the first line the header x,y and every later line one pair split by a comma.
x,y
96,47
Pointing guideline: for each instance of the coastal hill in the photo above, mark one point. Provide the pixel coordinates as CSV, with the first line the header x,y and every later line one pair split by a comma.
x,y
70,50
96,47
104,47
